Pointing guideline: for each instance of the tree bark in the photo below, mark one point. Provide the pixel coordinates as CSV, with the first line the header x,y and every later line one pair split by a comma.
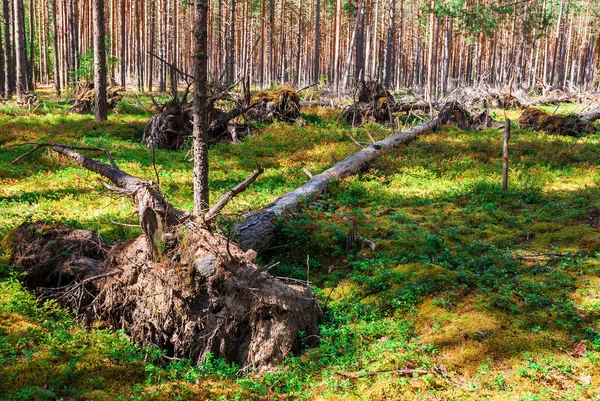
x,y
317,44
55,41
200,110
31,61
257,232
21,49
9,81
100,101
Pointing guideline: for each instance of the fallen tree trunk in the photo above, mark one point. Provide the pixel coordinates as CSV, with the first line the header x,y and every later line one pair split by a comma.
x,y
180,287
257,231
591,116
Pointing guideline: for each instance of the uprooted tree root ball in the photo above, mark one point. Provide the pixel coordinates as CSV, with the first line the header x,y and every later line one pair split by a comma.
x,y
201,295
375,103
282,105
180,286
83,98
570,124
170,128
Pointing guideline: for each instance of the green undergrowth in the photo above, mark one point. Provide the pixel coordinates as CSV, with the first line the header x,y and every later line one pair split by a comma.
x,y
486,294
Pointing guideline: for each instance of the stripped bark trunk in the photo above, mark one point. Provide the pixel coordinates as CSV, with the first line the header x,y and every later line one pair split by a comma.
x,y
257,232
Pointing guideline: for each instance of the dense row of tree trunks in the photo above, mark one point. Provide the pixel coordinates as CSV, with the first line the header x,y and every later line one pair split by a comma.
x,y
426,44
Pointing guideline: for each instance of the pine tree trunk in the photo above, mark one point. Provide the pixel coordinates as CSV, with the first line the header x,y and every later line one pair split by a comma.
x,y
2,66
230,63
8,52
100,105
123,45
389,50
152,35
30,76
271,42
359,52
21,49
336,57
55,49
200,110
317,35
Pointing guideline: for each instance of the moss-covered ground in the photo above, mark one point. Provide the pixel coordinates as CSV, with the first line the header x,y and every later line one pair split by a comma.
x,y
495,294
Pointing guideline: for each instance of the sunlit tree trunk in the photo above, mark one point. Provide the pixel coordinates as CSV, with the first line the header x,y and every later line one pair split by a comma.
x,y
100,106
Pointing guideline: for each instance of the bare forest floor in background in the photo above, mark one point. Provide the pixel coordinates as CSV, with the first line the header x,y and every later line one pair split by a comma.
x,y
471,293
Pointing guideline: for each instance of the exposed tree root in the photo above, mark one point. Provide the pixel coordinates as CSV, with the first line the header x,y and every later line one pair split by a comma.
x,y
180,286
280,105
375,103
84,98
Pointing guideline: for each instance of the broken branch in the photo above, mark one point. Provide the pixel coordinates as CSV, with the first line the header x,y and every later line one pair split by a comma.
x,y
241,187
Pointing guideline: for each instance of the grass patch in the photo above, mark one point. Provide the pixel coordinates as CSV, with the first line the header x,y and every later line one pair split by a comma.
x,y
489,289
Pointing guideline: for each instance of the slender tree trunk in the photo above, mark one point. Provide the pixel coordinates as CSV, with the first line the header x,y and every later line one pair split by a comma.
x,y
271,42
152,36
21,49
9,81
556,40
359,65
100,106
73,38
230,62
336,57
31,62
563,49
317,35
123,46
351,45
200,110
446,55
55,41
389,51
2,66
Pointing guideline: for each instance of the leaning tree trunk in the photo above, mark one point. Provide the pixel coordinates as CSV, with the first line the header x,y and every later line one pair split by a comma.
x,y
180,286
257,232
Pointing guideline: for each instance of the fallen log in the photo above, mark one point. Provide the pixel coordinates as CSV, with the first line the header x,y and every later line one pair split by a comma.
x,y
180,286
257,231
591,116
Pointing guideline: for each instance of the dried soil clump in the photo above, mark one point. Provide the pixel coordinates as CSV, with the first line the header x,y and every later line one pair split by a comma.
x,y
201,294
569,125
282,105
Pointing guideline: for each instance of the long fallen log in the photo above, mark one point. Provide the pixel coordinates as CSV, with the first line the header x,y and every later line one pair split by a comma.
x,y
257,231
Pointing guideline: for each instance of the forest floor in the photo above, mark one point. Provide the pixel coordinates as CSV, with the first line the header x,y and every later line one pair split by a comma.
x,y
487,295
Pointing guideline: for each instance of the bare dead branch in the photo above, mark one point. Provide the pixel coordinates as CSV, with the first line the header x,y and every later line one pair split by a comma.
x,y
399,372
241,187
170,65
39,145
